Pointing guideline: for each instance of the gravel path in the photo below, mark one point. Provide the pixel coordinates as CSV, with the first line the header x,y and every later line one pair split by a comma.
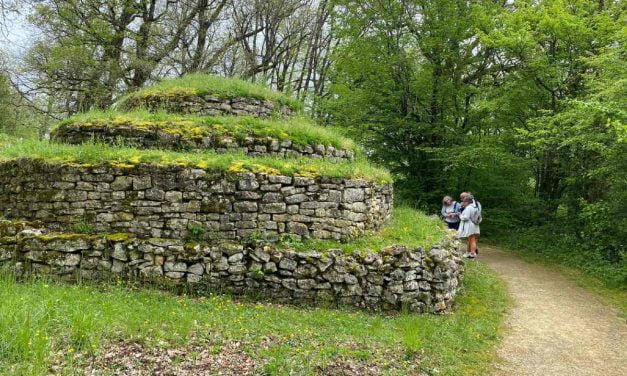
x,y
555,327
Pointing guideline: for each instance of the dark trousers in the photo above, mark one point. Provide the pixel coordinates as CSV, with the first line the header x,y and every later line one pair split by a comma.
x,y
453,225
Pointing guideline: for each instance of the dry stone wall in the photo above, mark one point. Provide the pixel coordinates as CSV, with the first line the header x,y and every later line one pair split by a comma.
x,y
176,202
209,105
155,137
390,279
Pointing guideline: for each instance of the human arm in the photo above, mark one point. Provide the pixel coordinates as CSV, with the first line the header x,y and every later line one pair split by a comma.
x,y
466,214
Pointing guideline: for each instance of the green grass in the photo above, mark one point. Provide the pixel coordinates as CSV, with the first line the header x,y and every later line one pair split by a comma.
x,y
297,129
204,84
409,227
43,322
96,154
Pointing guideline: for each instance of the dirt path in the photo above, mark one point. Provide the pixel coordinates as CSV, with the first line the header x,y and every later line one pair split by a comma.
x,y
555,327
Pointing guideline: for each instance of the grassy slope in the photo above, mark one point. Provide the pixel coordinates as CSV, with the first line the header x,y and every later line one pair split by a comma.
x,y
43,322
409,227
204,84
297,129
127,156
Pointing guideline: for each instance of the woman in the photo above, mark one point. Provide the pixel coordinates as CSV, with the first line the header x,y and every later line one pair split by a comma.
x,y
469,227
450,212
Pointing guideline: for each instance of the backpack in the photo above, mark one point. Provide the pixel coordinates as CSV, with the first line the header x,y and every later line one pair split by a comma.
x,y
476,217
456,207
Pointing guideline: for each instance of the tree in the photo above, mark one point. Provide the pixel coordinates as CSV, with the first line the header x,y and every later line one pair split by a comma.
x,y
94,50
406,76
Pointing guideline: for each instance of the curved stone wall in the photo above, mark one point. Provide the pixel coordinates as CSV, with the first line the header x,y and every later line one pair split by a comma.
x,y
178,202
156,137
208,105
393,278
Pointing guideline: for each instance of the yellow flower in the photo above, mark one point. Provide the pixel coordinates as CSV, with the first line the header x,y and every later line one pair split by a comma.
x,y
202,165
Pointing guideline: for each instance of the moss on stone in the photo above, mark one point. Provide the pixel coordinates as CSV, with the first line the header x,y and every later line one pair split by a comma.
x,y
120,237
299,130
51,256
47,238
7,240
194,85
28,153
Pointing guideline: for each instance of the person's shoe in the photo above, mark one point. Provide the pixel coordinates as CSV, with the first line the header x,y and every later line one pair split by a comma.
x,y
468,255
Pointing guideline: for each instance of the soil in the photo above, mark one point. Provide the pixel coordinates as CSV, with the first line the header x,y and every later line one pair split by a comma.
x,y
555,327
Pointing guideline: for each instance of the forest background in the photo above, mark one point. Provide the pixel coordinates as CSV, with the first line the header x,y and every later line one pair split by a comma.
x,y
521,102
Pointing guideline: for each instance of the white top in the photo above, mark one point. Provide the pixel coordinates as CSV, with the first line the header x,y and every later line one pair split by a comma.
x,y
466,227
447,209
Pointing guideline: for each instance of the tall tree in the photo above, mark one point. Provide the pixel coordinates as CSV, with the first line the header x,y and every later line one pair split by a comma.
x,y
405,77
92,50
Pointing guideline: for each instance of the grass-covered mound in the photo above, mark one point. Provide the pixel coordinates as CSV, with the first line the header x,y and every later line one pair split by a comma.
x,y
195,85
299,130
96,154
408,227
48,327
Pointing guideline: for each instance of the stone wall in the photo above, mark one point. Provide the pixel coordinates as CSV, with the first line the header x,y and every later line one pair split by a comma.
x,y
155,137
390,279
176,202
208,105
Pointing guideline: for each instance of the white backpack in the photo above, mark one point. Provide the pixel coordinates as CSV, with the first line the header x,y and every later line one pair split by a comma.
x,y
476,218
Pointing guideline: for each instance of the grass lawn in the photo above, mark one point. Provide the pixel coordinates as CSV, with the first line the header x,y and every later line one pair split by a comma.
x,y
73,328
95,153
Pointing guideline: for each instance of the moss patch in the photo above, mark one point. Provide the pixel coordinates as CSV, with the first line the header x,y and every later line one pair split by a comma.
x,y
203,84
93,154
68,236
299,130
120,237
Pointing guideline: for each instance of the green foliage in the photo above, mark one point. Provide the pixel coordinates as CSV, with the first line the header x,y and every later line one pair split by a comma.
x,y
83,228
408,227
255,238
205,84
300,130
196,232
405,85
521,103
94,154
42,322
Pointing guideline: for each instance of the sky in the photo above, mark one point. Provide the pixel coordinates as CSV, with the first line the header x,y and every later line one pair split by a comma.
x,y
16,36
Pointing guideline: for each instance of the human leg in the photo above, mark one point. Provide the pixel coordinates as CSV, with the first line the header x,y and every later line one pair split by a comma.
x,y
472,244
